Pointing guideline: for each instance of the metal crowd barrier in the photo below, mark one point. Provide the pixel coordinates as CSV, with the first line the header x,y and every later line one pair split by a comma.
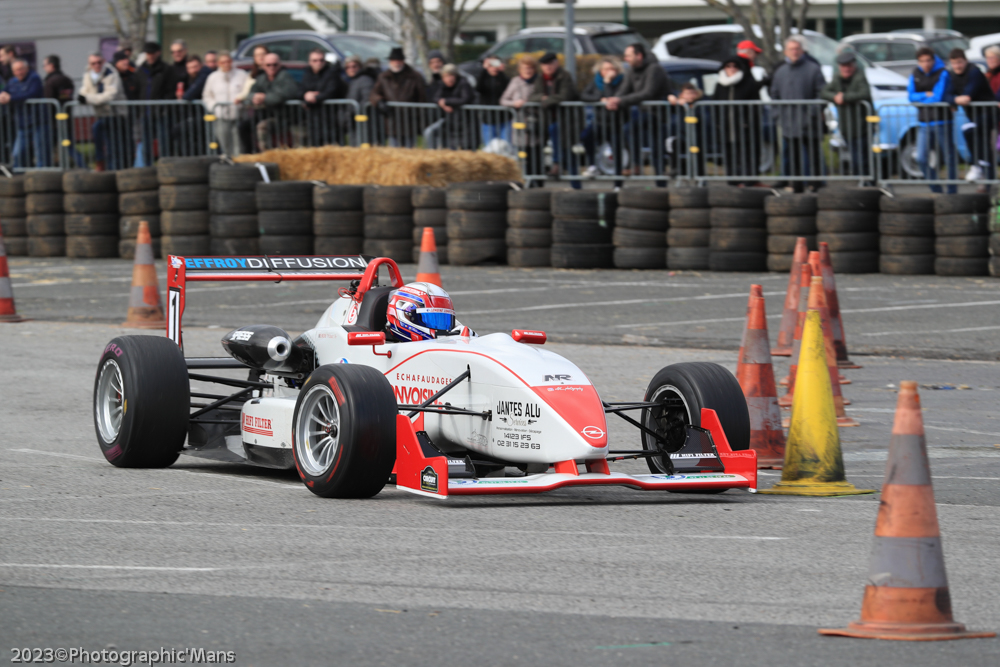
x,y
808,141
31,134
292,125
124,134
937,144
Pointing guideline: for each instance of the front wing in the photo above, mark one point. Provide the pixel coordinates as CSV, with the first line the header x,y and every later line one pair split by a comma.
x,y
428,475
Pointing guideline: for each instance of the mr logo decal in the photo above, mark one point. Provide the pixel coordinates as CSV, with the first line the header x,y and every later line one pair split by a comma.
x,y
429,480
558,378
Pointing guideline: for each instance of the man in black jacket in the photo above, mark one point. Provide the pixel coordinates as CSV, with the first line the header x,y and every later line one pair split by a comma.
x,y
322,81
130,82
645,81
968,85
177,72
154,84
490,86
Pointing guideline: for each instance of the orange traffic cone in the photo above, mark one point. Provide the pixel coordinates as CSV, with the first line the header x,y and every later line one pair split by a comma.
x,y
817,270
428,270
833,303
756,376
145,310
805,275
907,594
816,297
8,312
755,290
790,316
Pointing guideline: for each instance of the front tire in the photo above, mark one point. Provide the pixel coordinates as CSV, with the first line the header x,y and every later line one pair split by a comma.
x,y
142,399
698,385
344,431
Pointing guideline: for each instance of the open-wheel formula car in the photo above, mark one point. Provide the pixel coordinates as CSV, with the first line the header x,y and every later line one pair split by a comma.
x,y
360,398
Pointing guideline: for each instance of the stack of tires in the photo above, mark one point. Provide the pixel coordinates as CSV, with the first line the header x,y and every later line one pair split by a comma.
x,y
90,201
13,222
45,222
138,200
789,217
388,222
529,227
285,217
477,222
962,229
232,206
738,238
184,213
994,230
906,235
582,227
430,209
641,223
847,221
338,219
688,235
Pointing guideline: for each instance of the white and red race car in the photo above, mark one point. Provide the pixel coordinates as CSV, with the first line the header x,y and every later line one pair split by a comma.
x,y
456,415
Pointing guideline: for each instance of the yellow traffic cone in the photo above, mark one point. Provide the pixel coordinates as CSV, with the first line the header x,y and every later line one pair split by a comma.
x,y
814,464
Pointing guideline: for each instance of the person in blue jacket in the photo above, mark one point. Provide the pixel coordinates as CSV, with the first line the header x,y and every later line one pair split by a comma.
x,y
930,85
26,85
969,85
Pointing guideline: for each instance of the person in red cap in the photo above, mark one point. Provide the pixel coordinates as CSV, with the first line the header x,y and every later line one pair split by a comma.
x,y
748,51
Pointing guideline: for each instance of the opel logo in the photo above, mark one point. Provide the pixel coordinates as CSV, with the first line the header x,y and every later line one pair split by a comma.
x,y
593,432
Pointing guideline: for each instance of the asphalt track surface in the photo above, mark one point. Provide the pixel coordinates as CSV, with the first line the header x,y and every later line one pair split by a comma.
x,y
227,557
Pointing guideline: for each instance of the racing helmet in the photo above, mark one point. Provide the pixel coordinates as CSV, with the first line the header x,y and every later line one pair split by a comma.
x,y
419,311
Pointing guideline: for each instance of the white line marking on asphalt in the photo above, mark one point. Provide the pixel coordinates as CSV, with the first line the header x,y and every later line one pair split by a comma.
x,y
989,479
803,510
56,283
112,567
378,528
884,309
667,324
111,495
960,430
214,473
621,302
931,331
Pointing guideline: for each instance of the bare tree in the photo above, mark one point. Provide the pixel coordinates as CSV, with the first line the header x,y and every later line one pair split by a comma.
x,y
452,14
775,18
131,19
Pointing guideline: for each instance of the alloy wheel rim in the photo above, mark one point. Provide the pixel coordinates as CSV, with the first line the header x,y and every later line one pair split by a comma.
x,y
110,406
317,433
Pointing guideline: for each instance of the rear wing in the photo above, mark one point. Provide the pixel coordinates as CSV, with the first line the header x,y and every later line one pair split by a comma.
x,y
182,270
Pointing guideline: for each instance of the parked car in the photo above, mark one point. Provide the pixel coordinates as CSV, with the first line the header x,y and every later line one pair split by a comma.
x,y
718,42
897,50
899,130
294,46
978,45
601,38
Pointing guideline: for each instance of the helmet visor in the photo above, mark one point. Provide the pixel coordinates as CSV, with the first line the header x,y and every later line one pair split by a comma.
x,y
435,319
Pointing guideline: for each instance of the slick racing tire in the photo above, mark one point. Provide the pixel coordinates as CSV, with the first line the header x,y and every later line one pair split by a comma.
x,y
344,431
142,399
698,385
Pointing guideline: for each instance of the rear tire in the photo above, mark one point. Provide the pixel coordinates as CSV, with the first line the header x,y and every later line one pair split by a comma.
x,y
344,431
142,399
699,385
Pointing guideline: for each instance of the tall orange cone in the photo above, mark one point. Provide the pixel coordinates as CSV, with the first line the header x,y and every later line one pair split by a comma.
x,y
790,316
756,376
755,290
145,309
805,275
8,312
833,303
907,594
428,270
824,312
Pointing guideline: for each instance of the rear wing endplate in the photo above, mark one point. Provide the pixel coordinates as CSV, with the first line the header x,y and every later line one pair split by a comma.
x,y
182,270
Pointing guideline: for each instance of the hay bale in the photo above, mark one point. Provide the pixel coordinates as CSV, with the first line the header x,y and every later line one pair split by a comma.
x,y
339,165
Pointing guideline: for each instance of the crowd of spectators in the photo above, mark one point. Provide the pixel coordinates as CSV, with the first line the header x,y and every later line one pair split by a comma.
x,y
250,109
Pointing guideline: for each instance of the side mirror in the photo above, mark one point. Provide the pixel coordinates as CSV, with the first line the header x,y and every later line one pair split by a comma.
x,y
366,338
533,337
